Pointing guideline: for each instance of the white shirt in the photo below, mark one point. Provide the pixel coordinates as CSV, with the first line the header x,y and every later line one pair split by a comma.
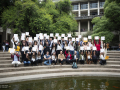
x,y
53,57
38,57
41,47
33,59
101,57
82,57
88,56
71,47
59,47
53,50
23,48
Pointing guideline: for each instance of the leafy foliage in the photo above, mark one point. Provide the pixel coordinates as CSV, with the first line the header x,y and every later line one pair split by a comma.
x,y
110,22
35,17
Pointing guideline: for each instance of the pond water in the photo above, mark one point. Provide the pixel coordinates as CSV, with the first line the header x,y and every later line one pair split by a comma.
x,y
68,83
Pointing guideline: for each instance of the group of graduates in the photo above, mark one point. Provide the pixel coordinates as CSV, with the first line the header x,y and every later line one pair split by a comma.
x,y
60,52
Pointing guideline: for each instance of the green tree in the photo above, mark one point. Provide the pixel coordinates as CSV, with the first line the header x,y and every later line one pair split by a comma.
x,y
110,22
36,17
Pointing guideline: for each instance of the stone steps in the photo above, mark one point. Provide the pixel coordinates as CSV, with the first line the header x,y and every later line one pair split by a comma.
x,y
5,58
113,51
6,65
12,69
58,70
10,73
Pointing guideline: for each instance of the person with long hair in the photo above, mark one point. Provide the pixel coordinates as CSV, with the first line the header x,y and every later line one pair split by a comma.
x,y
88,57
94,57
39,58
59,48
27,60
98,46
68,57
54,58
82,58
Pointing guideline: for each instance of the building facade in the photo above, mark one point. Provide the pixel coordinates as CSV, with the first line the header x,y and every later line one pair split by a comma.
x,y
85,11
5,35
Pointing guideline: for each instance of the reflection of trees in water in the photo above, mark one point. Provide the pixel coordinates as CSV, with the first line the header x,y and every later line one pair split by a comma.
x,y
66,84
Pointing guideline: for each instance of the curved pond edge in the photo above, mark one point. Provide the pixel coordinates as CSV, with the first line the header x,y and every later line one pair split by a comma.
x,y
57,75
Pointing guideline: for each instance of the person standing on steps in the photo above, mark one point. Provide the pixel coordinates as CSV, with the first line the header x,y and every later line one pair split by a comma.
x,y
98,46
3,45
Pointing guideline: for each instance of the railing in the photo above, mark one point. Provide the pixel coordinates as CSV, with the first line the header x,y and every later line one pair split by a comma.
x,y
87,17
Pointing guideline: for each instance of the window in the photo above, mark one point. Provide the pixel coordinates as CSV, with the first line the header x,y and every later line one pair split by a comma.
x,y
102,4
75,7
84,5
93,4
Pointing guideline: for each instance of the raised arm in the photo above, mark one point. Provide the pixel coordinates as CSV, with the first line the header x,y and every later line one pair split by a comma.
x,y
94,42
99,42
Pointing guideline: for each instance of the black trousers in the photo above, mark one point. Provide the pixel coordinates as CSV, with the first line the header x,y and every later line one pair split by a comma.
x,y
98,54
34,63
53,61
95,61
23,56
68,61
39,61
61,61
102,62
81,61
58,52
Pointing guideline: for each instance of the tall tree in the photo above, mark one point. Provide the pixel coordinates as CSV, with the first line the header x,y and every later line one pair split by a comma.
x,y
35,17
110,22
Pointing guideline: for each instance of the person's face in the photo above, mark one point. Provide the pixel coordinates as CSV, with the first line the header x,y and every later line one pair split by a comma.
x,y
59,42
33,53
39,53
35,43
41,43
60,52
47,53
24,44
68,52
27,54
75,52
46,42
53,53
82,53
89,40
50,39
97,42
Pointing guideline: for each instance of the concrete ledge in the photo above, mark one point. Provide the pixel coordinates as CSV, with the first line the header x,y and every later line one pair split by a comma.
x,y
55,75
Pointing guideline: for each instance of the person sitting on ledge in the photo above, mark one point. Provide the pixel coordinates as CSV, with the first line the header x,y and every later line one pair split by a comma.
x,y
47,58
102,57
61,58
15,57
68,57
82,57
54,58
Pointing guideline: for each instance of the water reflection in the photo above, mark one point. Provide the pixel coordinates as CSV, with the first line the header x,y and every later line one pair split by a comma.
x,y
76,83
